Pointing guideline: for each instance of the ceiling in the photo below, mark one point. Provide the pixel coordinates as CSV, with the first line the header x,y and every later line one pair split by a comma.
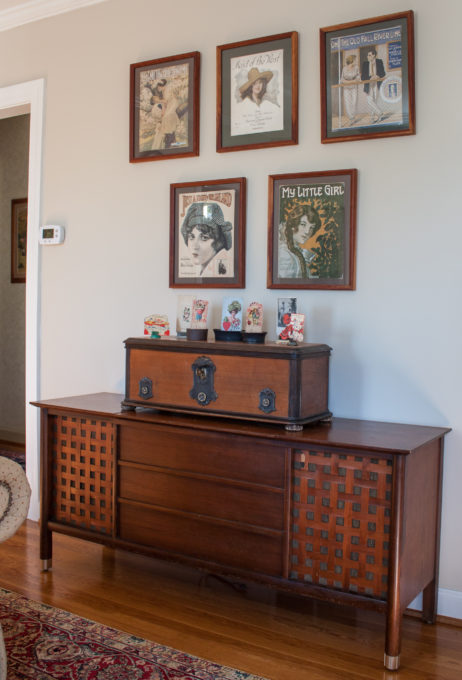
x,y
16,12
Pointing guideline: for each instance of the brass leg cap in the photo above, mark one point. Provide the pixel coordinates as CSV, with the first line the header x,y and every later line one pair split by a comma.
x,y
391,662
46,565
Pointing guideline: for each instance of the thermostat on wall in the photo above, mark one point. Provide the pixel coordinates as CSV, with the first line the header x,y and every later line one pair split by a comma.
x,y
51,234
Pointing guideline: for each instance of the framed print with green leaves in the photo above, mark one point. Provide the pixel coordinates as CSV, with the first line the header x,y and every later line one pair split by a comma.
x,y
257,93
367,78
312,230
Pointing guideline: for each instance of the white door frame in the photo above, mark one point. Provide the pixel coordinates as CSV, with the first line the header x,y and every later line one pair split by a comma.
x,y
32,95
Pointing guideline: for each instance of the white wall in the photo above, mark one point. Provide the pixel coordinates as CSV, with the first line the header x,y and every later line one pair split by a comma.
x,y
14,157
396,339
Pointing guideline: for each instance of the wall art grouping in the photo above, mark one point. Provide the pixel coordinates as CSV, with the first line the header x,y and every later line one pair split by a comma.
x,y
311,231
367,91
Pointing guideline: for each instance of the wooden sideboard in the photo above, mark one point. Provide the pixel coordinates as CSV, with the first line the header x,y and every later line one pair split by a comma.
x,y
346,511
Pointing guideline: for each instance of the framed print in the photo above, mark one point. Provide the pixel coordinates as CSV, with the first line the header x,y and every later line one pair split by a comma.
x,y
207,234
367,79
312,230
18,240
164,108
257,93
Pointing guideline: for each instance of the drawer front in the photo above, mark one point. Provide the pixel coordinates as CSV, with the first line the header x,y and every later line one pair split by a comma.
x,y
248,504
223,543
204,453
341,507
238,381
83,454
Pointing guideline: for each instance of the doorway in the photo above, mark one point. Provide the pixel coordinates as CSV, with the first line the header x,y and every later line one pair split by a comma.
x,y
14,167
16,100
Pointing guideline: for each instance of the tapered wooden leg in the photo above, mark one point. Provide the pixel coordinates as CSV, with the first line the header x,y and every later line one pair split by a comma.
x,y
391,663
394,611
46,541
46,546
393,640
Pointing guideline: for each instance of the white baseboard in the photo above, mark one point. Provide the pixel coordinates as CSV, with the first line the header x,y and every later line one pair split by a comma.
x,y
449,603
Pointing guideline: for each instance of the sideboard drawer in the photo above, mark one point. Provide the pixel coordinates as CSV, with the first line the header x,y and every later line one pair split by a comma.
x,y
209,453
222,542
250,504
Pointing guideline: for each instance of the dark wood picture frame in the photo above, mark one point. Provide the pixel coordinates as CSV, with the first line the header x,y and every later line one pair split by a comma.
x,y
207,234
164,108
312,230
18,240
367,78
243,124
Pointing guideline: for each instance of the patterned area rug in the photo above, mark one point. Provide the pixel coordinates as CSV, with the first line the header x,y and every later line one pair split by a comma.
x,y
44,643
14,455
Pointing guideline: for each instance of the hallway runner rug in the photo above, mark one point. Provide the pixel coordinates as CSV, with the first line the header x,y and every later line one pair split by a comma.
x,y
45,643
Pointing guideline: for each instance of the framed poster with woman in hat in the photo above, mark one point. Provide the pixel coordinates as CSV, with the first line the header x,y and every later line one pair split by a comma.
x,y
207,234
257,93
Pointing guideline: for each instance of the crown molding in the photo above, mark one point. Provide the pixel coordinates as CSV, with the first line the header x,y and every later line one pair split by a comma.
x,y
34,10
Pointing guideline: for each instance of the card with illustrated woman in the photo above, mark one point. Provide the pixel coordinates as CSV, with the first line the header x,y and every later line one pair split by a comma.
x,y
231,317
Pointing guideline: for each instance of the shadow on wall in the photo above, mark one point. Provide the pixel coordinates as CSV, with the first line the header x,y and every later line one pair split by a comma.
x,y
345,371
375,386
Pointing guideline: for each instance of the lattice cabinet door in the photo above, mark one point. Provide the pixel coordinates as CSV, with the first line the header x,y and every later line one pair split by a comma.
x,y
340,521
82,454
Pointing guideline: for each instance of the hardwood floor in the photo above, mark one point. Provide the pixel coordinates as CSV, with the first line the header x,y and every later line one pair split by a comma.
x,y
255,629
11,444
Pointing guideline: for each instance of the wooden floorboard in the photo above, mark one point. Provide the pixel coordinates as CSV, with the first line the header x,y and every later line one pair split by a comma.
x,y
277,636
11,445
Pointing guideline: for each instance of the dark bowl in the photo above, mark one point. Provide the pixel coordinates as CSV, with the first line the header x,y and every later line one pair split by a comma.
x,y
227,336
196,333
254,337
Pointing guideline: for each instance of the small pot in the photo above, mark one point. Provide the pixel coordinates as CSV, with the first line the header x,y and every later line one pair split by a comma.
x,y
196,333
258,338
227,336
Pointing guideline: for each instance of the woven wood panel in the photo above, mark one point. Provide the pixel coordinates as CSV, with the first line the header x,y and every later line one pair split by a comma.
x,y
83,461
341,521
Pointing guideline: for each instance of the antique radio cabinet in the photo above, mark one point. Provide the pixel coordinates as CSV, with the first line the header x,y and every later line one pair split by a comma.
x,y
265,382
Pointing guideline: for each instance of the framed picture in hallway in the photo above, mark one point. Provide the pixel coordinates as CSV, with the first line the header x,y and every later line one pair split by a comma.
x,y
367,78
257,93
18,240
312,230
207,234
164,108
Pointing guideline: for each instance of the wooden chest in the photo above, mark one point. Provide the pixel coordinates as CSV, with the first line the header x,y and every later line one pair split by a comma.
x,y
274,383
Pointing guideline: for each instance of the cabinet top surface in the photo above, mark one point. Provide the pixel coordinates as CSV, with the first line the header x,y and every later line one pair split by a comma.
x,y
340,432
272,349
